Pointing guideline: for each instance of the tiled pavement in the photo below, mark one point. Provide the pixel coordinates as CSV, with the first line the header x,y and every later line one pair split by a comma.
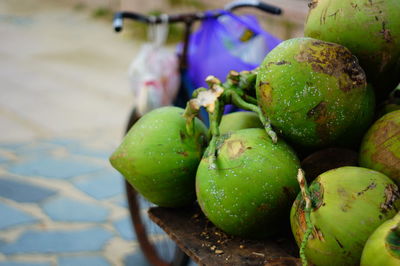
x,y
62,204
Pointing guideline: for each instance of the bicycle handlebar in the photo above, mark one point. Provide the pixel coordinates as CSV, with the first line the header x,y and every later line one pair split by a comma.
x,y
190,17
254,3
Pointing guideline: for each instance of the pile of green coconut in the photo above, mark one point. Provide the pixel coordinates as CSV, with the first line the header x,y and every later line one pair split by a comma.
x,y
319,144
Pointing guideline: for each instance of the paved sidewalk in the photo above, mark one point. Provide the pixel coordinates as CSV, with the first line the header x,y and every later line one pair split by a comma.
x,y
63,106
61,204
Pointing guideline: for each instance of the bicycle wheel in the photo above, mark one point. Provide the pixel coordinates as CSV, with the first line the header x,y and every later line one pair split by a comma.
x,y
156,246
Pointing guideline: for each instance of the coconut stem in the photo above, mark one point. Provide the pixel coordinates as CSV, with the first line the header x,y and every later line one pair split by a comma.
x,y
307,212
245,80
189,114
243,83
248,79
239,102
250,99
215,118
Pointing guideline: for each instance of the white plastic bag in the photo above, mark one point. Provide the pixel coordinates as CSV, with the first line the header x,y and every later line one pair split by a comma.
x,y
154,76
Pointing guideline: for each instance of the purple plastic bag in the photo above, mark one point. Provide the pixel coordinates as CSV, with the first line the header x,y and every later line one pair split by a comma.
x,y
216,48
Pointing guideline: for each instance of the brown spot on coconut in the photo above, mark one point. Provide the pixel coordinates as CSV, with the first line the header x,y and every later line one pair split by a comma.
x,y
392,194
235,148
266,91
313,4
336,61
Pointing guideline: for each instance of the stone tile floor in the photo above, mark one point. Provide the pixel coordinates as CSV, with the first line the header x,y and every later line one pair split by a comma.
x,y
62,204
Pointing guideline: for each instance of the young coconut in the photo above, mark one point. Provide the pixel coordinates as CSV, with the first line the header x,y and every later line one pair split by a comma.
x,y
251,189
333,218
380,148
312,91
159,157
352,137
370,29
239,120
383,246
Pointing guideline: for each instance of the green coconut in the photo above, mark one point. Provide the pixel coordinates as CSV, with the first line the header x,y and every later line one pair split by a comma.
x,y
159,158
347,205
352,137
380,148
370,29
250,192
311,90
239,120
383,246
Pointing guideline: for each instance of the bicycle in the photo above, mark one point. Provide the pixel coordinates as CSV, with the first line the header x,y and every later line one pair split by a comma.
x,y
135,201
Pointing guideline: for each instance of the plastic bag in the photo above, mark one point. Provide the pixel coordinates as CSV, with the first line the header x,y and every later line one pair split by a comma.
x,y
229,42
153,74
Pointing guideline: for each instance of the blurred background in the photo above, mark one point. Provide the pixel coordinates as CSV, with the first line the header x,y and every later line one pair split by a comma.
x,y
64,103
